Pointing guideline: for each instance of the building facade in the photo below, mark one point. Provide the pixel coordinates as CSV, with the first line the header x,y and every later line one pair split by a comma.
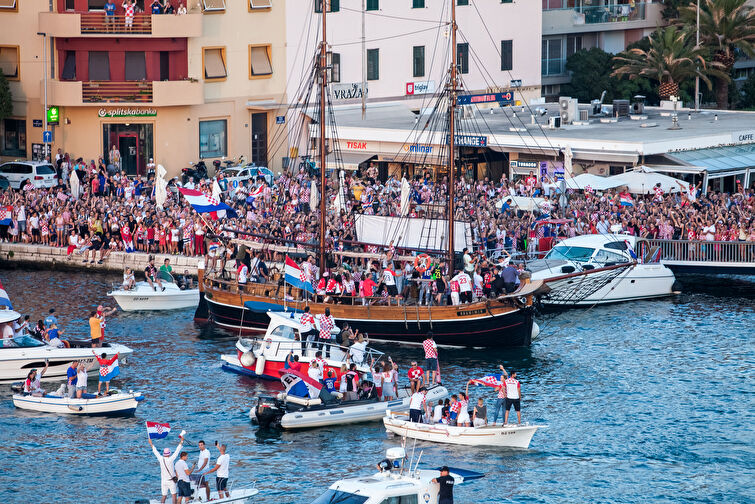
x,y
173,88
571,25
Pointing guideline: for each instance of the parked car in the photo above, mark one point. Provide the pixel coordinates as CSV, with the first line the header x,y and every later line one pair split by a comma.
x,y
4,184
39,173
246,173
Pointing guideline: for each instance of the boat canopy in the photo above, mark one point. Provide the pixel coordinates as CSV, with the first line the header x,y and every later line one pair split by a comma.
x,y
411,233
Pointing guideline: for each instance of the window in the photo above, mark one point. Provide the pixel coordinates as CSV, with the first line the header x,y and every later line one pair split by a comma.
x,y
507,1
373,64
70,5
418,59
8,5
335,68
213,138
260,4
259,138
462,2
14,138
136,66
69,67
573,44
401,499
552,62
462,57
97,4
99,66
373,5
334,5
9,62
418,4
213,62
213,5
507,56
260,61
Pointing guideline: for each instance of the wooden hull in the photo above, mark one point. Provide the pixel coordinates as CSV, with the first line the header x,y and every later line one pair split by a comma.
x,y
509,436
483,324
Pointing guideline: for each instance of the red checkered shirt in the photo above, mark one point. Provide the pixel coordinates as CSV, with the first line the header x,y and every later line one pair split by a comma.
x,y
431,352
415,373
308,321
326,324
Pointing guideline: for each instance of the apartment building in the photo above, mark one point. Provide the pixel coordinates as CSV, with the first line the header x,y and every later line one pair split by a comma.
x,y
400,48
571,25
175,88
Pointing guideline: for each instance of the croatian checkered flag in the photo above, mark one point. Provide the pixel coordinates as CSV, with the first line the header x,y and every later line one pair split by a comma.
x,y
491,380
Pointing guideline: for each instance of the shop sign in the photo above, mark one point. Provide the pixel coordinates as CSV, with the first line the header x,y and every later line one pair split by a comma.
x,y
349,91
53,115
468,140
421,87
523,164
506,98
356,145
418,148
37,123
747,136
127,112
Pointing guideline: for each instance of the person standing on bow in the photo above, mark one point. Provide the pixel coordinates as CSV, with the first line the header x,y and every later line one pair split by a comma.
x,y
431,358
327,323
168,477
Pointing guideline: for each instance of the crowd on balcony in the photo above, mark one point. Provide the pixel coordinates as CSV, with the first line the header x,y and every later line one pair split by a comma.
x,y
96,206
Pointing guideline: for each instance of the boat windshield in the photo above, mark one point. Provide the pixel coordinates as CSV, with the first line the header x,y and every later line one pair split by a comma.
x,y
339,497
24,341
579,254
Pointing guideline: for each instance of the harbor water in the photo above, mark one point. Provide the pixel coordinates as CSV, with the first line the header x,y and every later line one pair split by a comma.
x,y
644,402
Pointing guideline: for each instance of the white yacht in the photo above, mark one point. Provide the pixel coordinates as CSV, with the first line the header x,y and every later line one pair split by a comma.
x,y
399,484
145,297
577,270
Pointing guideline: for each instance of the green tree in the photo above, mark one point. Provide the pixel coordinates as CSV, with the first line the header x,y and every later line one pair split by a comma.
x,y
6,100
670,59
725,27
591,74
747,99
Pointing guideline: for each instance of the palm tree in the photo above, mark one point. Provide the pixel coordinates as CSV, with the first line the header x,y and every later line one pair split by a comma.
x,y
671,59
725,26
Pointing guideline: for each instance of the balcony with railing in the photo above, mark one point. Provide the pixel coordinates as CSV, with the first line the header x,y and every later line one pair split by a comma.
x,y
84,24
155,93
568,16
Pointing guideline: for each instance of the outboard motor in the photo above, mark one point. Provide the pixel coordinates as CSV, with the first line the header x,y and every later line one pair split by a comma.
x,y
267,413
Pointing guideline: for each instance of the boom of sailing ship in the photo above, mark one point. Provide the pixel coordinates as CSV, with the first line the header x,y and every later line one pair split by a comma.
x,y
504,321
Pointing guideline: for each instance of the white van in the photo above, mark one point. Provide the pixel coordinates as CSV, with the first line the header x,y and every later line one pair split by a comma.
x,y
39,173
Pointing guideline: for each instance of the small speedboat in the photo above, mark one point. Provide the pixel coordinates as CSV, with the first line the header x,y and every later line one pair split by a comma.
x,y
306,404
114,404
403,482
144,297
265,357
19,355
509,436
238,495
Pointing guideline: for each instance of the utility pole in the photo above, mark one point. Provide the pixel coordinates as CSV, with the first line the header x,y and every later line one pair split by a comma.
x,y
364,66
323,178
697,46
451,140
44,72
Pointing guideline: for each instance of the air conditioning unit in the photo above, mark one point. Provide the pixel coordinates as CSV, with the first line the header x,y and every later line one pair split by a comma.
x,y
638,105
568,109
620,108
554,122
584,115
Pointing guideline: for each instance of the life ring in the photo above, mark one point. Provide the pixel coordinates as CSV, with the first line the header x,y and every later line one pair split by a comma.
x,y
422,263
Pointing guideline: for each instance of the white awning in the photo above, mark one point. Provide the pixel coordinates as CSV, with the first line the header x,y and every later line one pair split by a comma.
x,y
426,234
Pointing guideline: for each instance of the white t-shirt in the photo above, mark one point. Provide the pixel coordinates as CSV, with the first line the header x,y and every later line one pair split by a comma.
x,y
437,413
465,285
417,401
204,456
314,373
167,469
181,468
388,278
224,461
81,378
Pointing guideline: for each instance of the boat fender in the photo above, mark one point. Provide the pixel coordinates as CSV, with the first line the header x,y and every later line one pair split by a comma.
x,y
268,343
260,367
535,330
247,359
421,263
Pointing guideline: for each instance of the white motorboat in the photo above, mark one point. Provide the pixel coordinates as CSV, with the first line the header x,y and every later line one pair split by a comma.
x,y
118,404
568,269
265,357
24,353
289,411
509,436
238,495
397,485
145,297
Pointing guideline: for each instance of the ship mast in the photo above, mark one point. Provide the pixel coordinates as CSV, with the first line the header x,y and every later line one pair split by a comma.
x,y
451,140
323,180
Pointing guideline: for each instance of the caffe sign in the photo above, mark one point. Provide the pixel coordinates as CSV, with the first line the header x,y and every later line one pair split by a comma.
x,y
127,112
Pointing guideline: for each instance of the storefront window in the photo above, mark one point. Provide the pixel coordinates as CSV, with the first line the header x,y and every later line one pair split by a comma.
x,y
14,138
213,138
134,142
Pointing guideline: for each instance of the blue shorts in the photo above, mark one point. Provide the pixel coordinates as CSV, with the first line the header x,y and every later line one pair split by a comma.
x,y
431,365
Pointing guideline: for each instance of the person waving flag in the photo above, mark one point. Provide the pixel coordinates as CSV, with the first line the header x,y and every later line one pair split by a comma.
x,y
4,299
157,430
206,204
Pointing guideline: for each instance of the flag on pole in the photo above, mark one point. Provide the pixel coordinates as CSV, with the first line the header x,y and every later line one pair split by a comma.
x,y
4,299
109,370
626,200
205,204
157,430
300,385
296,277
491,380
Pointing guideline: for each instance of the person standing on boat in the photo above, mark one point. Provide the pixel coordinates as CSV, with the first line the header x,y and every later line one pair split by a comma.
x,y
327,323
167,469
104,361
480,414
513,396
431,358
71,378
182,473
309,332
82,378
418,405
446,490
102,313
389,279
203,464
501,399
222,469
95,329
51,318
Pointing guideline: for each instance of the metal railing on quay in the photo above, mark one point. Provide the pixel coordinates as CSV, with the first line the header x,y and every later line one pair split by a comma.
x,y
98,23
706,251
